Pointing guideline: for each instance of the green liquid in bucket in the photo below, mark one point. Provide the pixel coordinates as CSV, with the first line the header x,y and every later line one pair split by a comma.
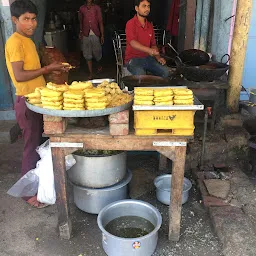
x,y
129,227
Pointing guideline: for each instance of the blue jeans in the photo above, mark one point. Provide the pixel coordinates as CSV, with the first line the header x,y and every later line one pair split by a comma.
x,y
140,66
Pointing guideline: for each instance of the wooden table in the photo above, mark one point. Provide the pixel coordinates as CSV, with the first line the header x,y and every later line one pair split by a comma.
x,y
173,148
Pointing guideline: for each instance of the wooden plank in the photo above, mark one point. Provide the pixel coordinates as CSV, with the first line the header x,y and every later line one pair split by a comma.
x,y
117,142
190,24
176,192
59,168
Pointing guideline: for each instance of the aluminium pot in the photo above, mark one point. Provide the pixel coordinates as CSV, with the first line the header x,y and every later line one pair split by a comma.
x,y
163,189
140,246
98,171
93,200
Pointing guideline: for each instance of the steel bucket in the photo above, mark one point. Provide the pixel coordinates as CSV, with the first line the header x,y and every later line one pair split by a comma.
x,y
163,189
93,200
98,171
118,246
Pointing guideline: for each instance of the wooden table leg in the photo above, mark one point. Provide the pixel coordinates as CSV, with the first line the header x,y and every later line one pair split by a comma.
x,y
59,168
163,163
176,192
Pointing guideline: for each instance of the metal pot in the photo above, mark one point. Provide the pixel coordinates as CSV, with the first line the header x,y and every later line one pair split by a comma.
x,y
163,189
98,171
118,246
92,200
143,81
209,72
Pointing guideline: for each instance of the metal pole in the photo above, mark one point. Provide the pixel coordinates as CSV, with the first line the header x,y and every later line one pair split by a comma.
x,y
238,52
199,9
205,25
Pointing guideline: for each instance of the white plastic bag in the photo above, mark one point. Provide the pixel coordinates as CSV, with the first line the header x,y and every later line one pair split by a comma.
x,y
46,189
40,180
26,185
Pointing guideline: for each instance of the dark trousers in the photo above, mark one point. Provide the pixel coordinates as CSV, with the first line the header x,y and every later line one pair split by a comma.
x,y
31,124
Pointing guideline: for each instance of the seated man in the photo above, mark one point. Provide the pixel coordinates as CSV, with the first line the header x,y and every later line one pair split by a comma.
x,y
142,54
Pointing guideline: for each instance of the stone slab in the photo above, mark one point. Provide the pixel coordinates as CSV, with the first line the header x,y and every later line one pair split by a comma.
x,y
218,188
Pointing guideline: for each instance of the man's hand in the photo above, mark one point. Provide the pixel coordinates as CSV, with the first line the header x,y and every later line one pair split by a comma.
x,y
153,52
102,39
57,66
161,60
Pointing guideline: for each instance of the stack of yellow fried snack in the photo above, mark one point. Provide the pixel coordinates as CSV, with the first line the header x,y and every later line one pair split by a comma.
x,y
81,85
183,96
74,100
111,89
51,99
57,87
163,96
35,97
119,99
143,96
95,99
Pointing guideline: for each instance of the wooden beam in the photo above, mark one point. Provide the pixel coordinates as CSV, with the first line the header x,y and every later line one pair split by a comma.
x,y
190,24
238,52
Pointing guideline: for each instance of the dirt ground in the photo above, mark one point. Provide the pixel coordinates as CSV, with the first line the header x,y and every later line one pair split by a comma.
x,y
26,231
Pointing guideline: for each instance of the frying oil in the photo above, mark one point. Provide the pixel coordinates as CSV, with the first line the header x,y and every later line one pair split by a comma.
x,y
129,227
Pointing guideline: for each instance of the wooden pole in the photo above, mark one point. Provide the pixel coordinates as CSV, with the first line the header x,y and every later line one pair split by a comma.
x,y
238,52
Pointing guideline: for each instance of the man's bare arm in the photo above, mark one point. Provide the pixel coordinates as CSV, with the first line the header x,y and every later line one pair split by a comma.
x,y
138,46
22,75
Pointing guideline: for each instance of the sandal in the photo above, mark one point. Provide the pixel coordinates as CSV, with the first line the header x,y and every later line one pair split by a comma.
x,y
34,203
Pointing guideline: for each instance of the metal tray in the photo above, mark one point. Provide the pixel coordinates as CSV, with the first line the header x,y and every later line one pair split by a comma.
x,y
79,113
197,104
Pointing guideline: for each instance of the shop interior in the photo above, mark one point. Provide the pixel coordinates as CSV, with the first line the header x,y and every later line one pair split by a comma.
x,y
61,27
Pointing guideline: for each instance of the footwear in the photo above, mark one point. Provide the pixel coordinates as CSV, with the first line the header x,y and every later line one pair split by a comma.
x,y
34,203
90,77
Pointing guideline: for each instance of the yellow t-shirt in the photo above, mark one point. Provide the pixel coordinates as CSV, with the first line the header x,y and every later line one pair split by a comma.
x,y
21,48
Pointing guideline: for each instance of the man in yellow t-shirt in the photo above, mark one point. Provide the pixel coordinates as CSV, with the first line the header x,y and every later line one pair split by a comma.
x,y
24,67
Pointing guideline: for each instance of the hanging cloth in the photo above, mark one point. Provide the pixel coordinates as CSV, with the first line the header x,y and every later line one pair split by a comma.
x,y
173,20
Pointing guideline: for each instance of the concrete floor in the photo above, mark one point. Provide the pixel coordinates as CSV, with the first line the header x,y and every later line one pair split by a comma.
x,y
26,231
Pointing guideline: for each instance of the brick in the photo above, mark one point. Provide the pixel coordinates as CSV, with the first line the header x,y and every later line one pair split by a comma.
x,y
210,201
119,118
52,118
202,188
55,127
119,129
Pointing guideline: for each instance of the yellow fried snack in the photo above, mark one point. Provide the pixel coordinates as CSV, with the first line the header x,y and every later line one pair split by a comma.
x,y
58,98
54,107
183,102
183,97
114,85
57,87
76,108
99,105
182,91
71,105
72,94
143,98
163,98
38,89
97,92
50,93
51,103
95,108
81,85
163,92
166,103
138,102
98,99
35,94
34,100
74,101
143,91
38,105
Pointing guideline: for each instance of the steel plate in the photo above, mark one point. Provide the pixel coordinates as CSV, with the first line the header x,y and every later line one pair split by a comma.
x,y
79,113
